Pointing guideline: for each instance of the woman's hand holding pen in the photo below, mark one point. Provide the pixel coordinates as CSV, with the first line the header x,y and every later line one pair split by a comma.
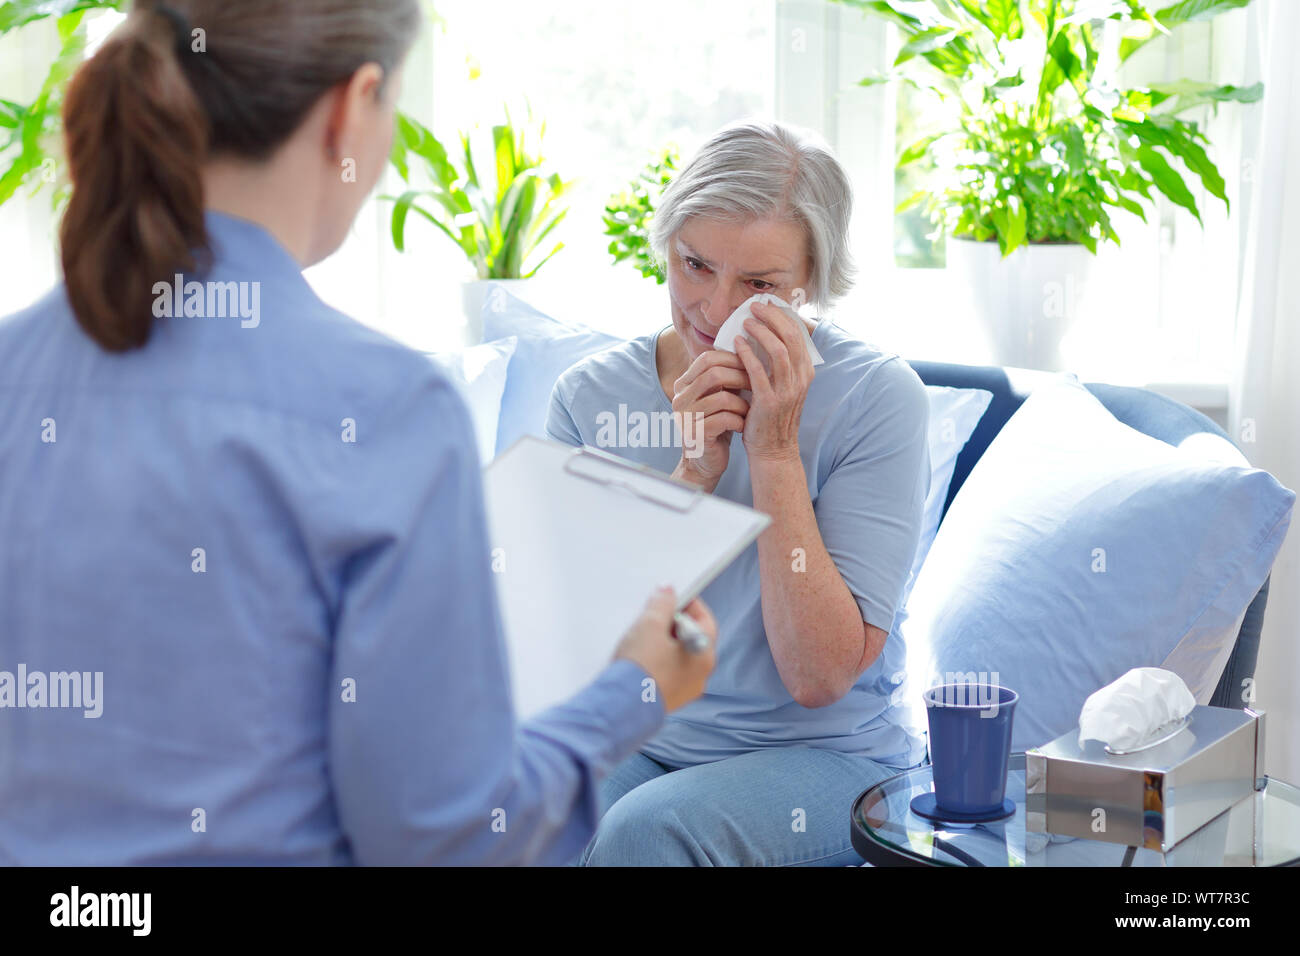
x,y
678,673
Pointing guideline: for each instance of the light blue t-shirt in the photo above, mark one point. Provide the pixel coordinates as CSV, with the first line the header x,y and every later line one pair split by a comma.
x,y
862,438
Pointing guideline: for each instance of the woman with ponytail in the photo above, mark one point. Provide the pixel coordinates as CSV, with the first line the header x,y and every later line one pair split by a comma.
x,y
246,605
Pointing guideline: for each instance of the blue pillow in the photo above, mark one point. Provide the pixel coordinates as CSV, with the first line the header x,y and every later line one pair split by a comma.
x,y
1079,548
480,373
544,348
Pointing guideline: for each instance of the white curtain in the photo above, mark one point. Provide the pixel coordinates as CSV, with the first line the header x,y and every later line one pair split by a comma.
x,y
1264,406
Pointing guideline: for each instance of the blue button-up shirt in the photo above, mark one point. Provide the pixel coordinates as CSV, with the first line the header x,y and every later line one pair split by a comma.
x,y
259,545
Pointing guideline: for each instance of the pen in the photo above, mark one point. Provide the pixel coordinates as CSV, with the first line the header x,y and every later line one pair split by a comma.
x,y
689,633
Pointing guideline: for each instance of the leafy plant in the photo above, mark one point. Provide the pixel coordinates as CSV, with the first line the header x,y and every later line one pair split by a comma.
x,y
499,223
1037,141
628,214
30,132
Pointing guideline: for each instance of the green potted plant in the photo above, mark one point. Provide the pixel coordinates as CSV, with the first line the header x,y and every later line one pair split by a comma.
x,y
499,221
629,212
30,150
1035,144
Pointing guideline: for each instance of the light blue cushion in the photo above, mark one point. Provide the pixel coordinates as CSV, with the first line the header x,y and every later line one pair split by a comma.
x,y
954,413
545,347
1079,548
480,373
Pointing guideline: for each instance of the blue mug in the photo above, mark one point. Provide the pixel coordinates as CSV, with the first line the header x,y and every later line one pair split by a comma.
x,y
970,745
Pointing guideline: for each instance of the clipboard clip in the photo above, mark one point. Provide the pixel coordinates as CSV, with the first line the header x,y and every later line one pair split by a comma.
x,y
593,465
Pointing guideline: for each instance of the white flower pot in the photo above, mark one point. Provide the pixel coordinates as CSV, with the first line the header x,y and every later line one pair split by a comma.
x,y
473,297
1025,303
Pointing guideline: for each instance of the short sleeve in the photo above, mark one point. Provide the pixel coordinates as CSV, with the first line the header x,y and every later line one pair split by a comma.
x,y
560,425
869,506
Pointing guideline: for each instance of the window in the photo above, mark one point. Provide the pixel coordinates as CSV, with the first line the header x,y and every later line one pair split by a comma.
x,y
1160,309
614,84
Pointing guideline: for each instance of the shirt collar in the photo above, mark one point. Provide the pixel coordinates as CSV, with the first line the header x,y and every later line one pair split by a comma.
x,y
246,242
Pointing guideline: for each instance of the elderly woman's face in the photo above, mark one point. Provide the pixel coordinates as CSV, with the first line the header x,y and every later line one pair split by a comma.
x,y
715,266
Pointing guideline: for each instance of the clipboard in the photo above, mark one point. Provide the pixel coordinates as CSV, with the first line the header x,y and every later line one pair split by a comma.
x,y
579,539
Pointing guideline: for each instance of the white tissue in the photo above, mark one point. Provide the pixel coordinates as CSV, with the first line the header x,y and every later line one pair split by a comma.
x,y
735,326
1128,712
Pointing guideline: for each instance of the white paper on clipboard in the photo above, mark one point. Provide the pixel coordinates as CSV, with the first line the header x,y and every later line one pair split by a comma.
x,y
580,538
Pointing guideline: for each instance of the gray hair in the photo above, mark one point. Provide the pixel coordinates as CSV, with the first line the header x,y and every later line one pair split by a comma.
x,y
760,170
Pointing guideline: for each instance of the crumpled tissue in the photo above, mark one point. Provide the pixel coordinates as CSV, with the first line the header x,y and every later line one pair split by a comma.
x,y
1132,710
735,326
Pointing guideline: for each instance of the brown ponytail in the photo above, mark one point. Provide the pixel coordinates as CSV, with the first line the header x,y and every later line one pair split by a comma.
x,y
136,138
142,116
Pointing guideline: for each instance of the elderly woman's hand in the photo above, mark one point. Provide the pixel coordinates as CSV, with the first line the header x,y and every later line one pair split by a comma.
x,y
706,399
772,425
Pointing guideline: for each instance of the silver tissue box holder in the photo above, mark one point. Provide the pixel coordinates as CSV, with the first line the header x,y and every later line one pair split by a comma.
x,y
1150,797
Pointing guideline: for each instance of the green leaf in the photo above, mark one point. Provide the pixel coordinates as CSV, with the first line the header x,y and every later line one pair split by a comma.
x,y
406,204
1009,219
1172,16
1001,181
1176,140
1086,10
1090,55
1123,202
1062,66
629,214
905,21
507,159
1076,152
1004,19
40,121
925,42
471,174
918,149
1188,94
1016,219
543,226
11,114
1166,180
545,258
1189,11
17,13
497,225
910,201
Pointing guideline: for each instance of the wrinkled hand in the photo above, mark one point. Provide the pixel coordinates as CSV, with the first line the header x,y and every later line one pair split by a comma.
x,y
706,398
771,429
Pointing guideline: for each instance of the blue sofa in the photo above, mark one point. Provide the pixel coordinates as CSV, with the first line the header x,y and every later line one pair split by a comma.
x,y
1150,413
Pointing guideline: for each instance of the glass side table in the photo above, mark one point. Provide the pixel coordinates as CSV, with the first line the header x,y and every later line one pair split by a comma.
x,y
1260,830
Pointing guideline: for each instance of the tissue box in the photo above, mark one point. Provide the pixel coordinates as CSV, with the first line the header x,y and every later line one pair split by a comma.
x,y
1152,798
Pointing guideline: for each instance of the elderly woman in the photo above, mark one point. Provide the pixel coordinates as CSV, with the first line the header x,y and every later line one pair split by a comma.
x,y
801,713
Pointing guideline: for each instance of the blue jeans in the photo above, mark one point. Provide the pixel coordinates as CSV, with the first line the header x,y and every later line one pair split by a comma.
x,y
785,806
